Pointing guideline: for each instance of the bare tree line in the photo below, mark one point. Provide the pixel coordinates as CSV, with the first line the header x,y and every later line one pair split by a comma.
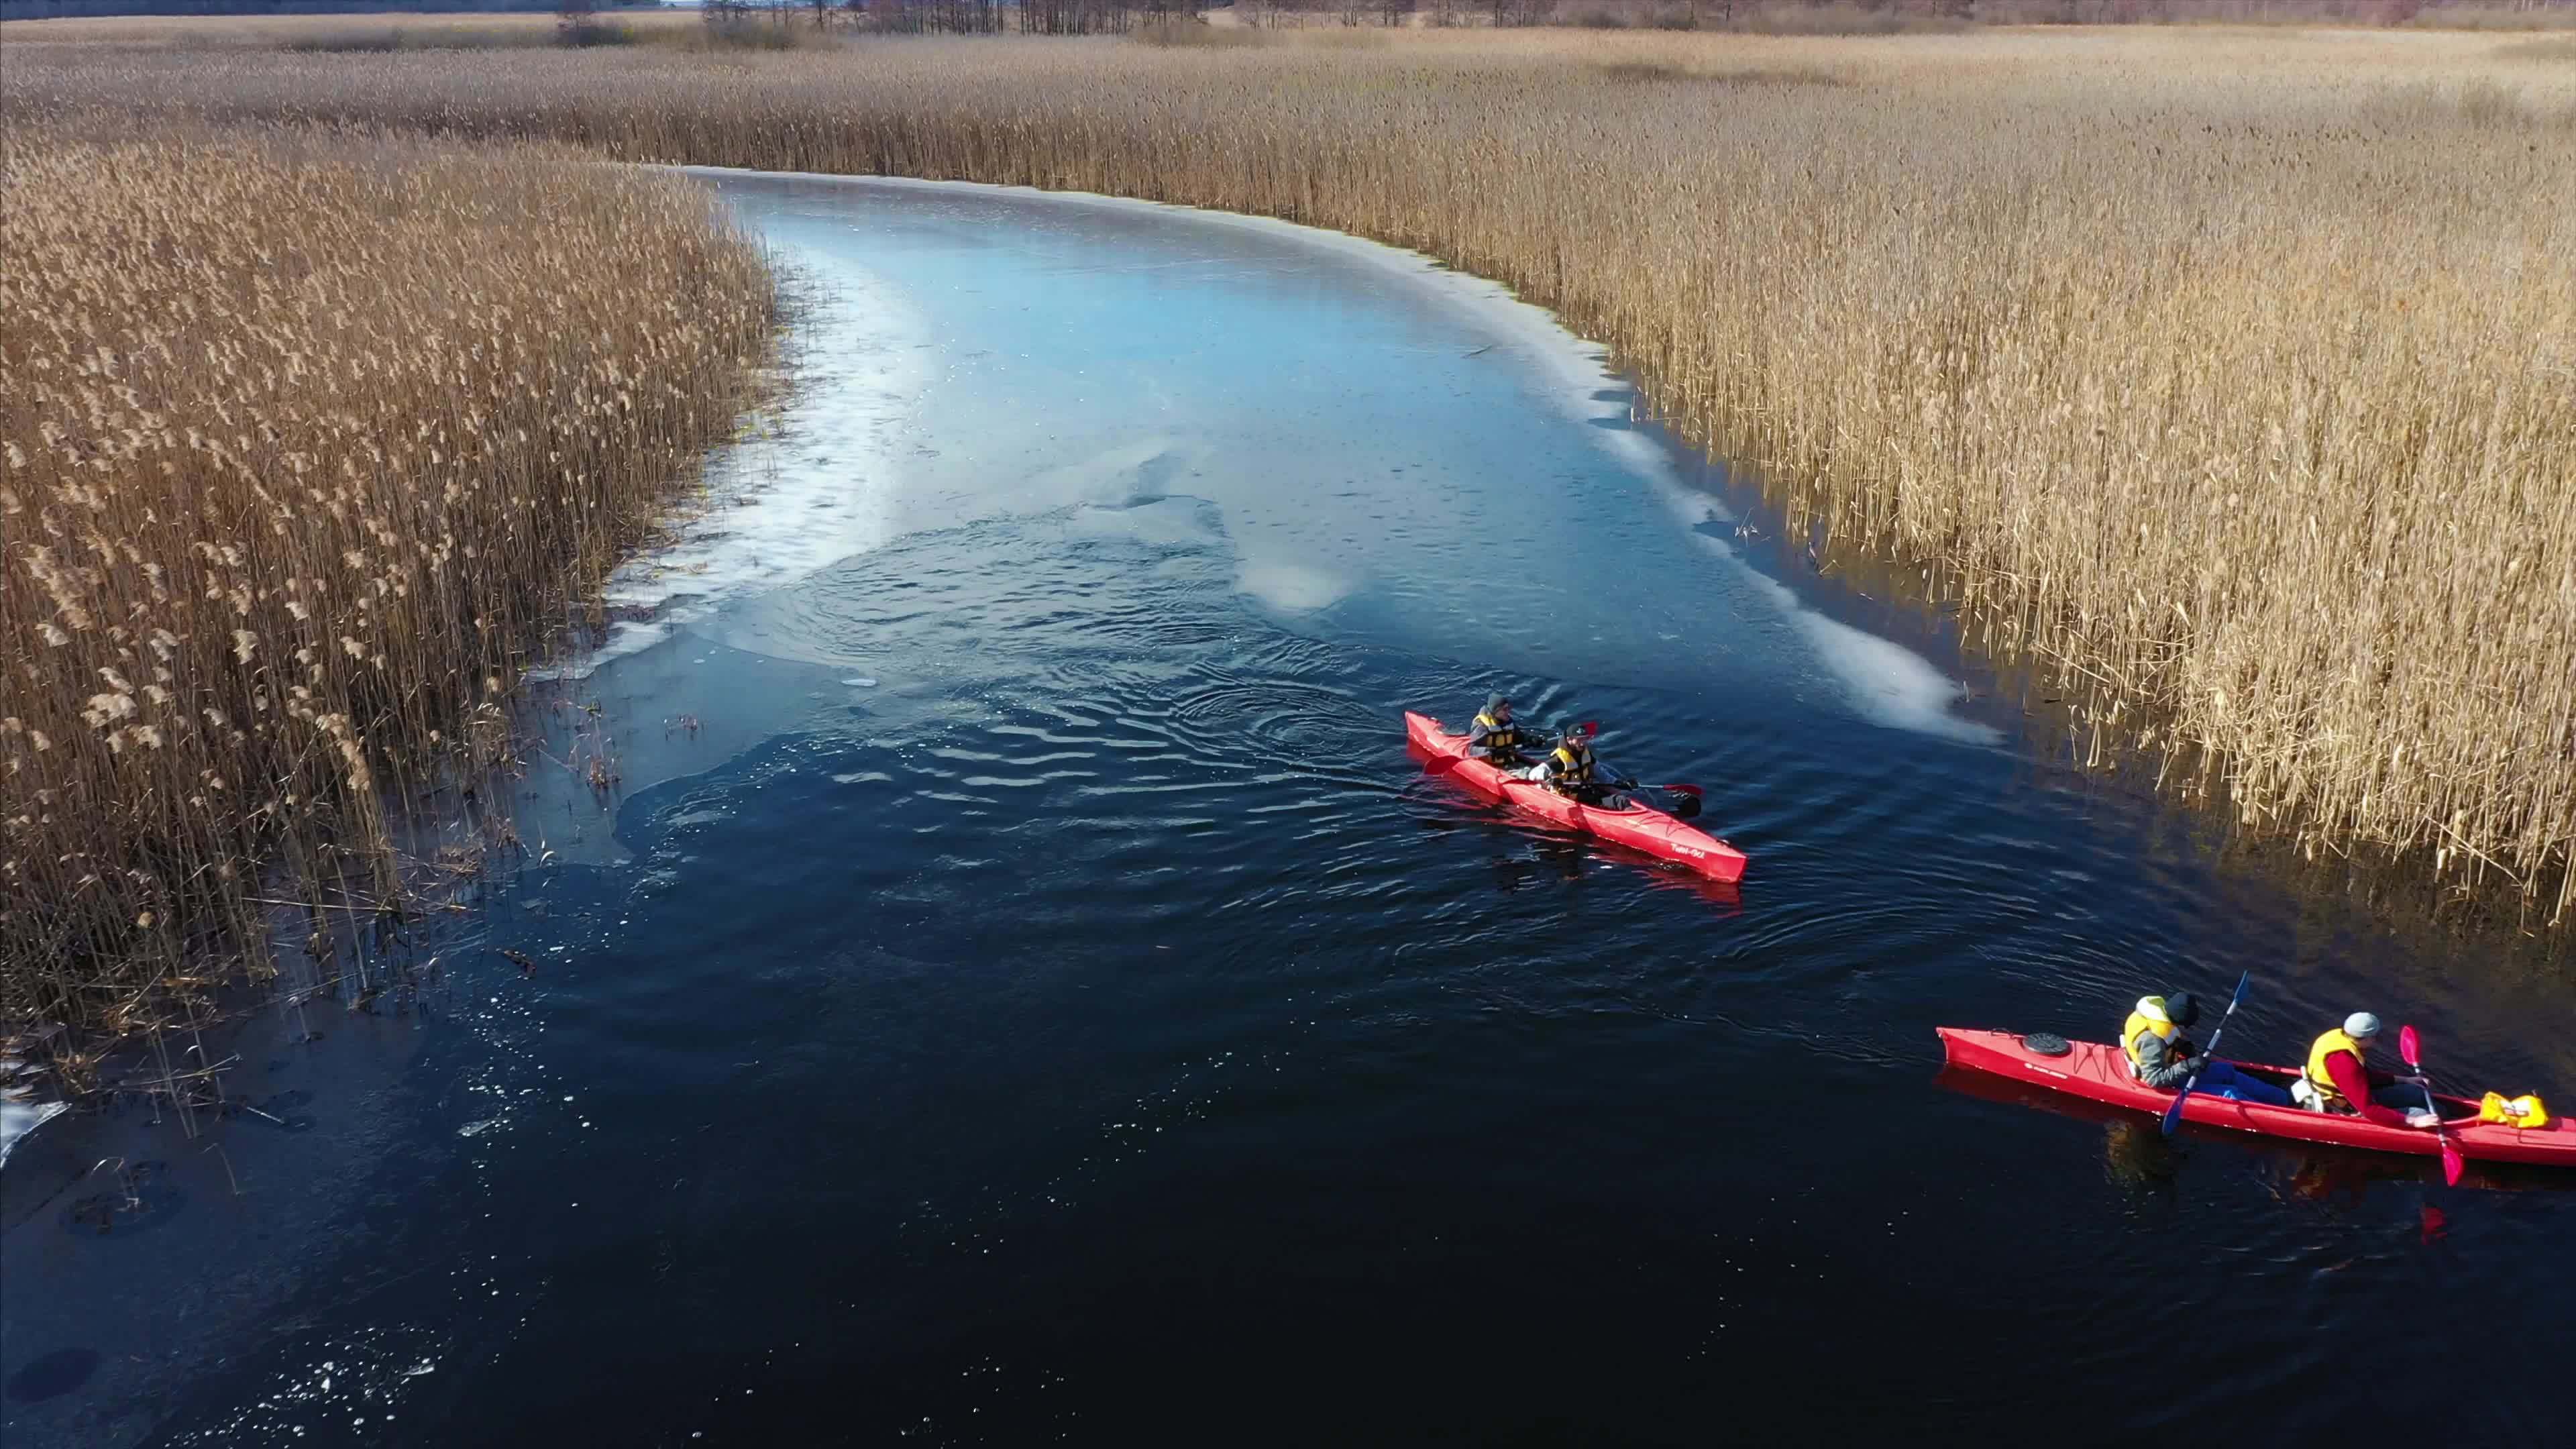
x,y
1825,16
961,17
1099,17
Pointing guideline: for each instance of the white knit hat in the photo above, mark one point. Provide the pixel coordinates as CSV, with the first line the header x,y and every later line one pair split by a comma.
x,y
2361,1023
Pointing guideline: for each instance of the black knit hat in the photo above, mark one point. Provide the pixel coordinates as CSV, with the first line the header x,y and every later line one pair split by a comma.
x,y
1497,701
2181,1010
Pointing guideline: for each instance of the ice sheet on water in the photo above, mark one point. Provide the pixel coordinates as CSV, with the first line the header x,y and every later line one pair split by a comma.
x,y
780,508
1882,680
1891,684
1291,588
17,1119
791,516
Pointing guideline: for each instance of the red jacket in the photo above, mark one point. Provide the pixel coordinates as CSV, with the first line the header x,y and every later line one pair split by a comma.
x,y
2354,1083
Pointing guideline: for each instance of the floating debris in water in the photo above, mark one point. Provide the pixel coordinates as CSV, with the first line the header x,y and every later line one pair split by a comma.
x,y
862,682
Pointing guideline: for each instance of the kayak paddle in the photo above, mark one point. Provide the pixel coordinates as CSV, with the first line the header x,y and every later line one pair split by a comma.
x,y
2173,1114
2410,1047
1592,729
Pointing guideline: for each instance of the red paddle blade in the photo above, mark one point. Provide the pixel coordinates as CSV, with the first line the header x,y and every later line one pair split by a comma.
x,y
2452,1163
2436,1226
2407,1047
1591,727
1692,791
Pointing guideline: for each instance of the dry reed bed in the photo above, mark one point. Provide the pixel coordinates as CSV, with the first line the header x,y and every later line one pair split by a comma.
x,y
308,439
2228,375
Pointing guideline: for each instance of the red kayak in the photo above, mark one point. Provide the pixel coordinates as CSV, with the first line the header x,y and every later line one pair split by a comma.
x,y
1638,828
2091,1069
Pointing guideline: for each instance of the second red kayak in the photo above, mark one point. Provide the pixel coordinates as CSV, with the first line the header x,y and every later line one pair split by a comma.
x,y
1636,826
2095,1070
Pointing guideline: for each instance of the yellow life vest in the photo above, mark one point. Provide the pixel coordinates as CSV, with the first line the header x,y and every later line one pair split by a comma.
x,y
1498,736
1573,770
2138,1023
2319,1080
2524,1112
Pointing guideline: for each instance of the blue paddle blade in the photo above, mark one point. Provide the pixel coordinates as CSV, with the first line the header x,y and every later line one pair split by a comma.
x,y
2173,1114
2240,990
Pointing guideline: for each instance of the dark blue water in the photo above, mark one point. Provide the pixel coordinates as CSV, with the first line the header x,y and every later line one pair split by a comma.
x,y
1023,990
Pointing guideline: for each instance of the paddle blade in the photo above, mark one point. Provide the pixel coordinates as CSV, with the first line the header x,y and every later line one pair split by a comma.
x,y
1591,727
2409,1047
2173,1114
2452,1163
1692,791
2243,979
2436,1226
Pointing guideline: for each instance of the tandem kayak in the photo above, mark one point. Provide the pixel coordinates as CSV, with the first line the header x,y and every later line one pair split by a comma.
x,y
2095,1070
1634,826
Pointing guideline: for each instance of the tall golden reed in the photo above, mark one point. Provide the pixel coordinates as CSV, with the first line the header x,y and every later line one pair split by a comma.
x,y
308,437
2231,376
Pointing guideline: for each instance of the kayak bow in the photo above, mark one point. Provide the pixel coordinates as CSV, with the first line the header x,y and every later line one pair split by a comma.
x,y
2092,1069
1637,827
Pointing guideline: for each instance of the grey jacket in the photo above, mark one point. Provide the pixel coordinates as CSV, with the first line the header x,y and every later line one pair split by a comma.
x,y
2165,1063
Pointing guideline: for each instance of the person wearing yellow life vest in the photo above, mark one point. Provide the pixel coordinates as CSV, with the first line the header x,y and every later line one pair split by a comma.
x,y
2338,1079
1493,738
1569,768
2160,1056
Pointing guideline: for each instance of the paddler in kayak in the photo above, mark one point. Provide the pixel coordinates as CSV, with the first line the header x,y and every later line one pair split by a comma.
x,y
2160,1056
1569,768
2338,1079
1493,738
